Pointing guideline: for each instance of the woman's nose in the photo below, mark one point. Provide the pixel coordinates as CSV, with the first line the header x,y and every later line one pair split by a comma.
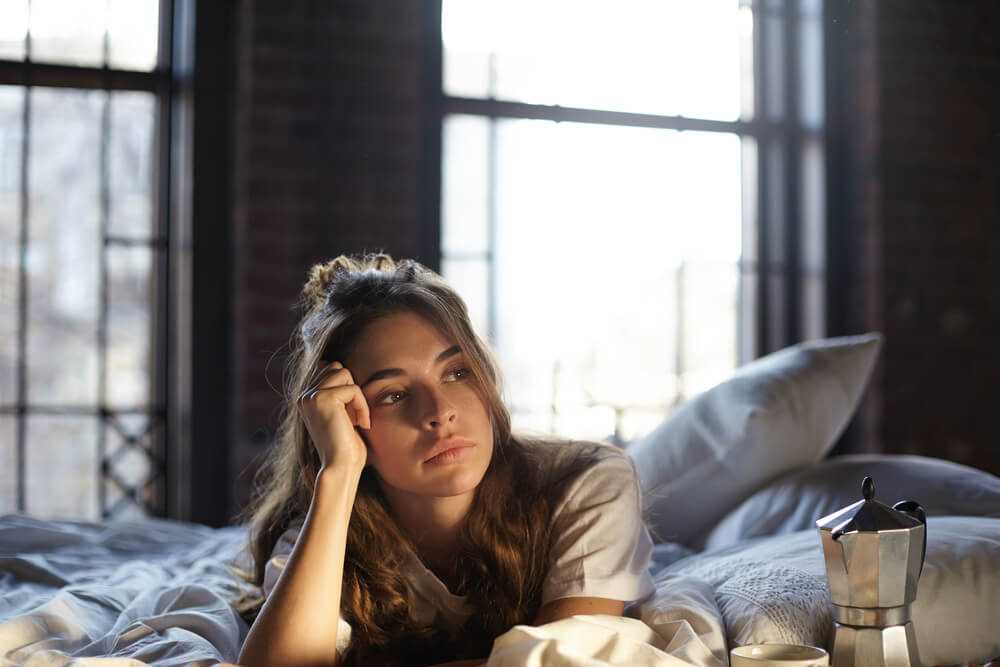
x,y
440,411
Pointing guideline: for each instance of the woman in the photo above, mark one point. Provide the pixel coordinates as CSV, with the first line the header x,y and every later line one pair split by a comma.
x,y
400,521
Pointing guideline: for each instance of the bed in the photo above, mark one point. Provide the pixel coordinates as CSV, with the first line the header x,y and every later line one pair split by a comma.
x,y
734,481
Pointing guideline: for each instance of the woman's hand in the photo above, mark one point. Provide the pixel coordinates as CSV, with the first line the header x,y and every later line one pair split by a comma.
x,y
331,408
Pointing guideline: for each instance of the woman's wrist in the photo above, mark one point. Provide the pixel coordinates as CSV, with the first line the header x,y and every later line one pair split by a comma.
x,y
339,475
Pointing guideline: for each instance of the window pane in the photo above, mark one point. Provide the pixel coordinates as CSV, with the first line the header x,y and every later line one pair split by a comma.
x,y
710,314
747,93
130,304
746,331
465,200
774,65
11,114
813,241
471,278
8,464
130,465
813,307
653,56
68,31
133,27
130,161
64,245
594,223
61,462
813,203
13,28
811,97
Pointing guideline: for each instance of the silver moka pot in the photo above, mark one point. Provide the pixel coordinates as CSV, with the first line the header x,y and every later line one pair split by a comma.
x,y
874,555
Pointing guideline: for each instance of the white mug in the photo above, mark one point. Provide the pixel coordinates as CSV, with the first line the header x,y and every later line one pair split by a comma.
x,y
778,655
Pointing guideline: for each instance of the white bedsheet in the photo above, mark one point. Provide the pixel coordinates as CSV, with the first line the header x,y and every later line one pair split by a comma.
x,y
149,592
597,641
158,592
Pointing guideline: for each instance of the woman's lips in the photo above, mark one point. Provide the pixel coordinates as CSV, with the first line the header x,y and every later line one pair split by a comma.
x,y
453,453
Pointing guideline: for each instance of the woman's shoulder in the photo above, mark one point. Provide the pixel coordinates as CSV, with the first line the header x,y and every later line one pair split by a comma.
x,y
558,453
569,463
596,489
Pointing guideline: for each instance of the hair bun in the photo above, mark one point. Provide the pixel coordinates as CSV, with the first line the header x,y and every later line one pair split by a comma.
x,y
323,276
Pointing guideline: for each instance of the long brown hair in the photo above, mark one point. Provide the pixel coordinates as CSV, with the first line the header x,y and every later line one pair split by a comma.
x,y
505,539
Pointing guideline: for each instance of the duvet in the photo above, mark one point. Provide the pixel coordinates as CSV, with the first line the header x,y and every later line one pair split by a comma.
x,y
159,592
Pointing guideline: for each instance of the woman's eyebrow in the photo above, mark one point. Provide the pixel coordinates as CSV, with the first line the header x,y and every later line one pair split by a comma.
x,y
393,372
450,352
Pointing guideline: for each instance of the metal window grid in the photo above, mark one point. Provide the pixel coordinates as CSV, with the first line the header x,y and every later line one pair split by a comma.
x,y
776,274
151,493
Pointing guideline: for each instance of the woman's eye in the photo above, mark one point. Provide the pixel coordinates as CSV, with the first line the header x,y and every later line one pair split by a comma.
x,y
457,374
392,397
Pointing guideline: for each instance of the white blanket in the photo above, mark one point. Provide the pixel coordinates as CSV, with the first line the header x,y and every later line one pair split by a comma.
x,y
679,625
159,592
129,593
593,641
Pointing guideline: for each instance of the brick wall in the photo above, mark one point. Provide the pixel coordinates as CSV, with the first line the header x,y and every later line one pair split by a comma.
x,y
328,161
925,174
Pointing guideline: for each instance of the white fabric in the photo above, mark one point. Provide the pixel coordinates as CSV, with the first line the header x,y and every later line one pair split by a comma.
x,y
600,545
775,414
684,609
679,624
794,501
127,593
600,548
773,590
158,592
597,641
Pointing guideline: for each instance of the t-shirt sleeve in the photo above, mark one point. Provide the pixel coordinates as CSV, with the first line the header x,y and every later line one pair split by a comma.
x,y
600,545
275,565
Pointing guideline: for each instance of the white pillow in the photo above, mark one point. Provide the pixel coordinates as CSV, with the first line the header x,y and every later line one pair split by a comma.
x,y
796,500
777,413
774,590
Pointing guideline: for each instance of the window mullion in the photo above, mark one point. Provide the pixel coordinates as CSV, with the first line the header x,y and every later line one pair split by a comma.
x,y
102,315
14,73
22,303
491,229
792,176
762,85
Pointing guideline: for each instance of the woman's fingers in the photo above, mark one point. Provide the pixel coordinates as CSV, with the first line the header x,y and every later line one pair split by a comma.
x,y
334,376
353,400
362,416
327,377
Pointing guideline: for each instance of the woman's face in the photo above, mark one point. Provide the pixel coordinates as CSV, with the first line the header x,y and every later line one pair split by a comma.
x,y
430,432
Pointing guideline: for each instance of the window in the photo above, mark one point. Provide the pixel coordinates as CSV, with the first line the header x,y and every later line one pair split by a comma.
x,y
84,125
632,196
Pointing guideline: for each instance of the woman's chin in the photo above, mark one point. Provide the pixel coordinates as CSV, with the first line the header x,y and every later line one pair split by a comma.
x,y
459,485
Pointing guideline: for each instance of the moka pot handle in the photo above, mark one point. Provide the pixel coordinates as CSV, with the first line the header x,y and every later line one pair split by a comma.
x,y
913,509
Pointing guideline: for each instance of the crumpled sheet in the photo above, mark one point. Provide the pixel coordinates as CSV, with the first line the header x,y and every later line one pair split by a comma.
x,y
679,626
127,593
159,592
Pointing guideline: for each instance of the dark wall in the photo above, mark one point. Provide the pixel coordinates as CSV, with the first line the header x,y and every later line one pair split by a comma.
x,y
332,155
920,89
329,150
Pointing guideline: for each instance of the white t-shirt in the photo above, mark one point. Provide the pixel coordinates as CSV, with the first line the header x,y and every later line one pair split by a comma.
x,y
600,548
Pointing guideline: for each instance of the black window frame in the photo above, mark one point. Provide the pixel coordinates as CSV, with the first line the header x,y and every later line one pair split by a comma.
x,y
779,271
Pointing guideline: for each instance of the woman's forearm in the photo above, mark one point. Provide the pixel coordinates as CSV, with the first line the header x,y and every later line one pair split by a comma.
x,y
298,623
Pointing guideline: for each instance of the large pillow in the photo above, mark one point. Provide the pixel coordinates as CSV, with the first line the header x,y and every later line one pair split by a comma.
x,y
774,590
796,500
777,413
